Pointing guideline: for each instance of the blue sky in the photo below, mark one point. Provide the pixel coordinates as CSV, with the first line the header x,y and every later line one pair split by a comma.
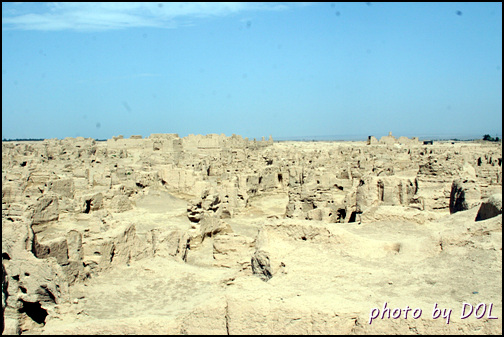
x,y
345,70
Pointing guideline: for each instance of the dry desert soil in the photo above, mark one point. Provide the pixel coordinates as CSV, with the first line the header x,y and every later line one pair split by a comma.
x,y
226,235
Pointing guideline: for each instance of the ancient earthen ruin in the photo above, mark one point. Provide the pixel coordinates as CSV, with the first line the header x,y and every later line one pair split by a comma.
x,y
215,234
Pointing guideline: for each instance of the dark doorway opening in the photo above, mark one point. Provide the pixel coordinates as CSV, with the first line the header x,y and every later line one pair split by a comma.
x,y
34,311
353,216
88,206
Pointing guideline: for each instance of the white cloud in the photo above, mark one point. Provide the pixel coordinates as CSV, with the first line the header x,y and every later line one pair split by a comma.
x,y
117,15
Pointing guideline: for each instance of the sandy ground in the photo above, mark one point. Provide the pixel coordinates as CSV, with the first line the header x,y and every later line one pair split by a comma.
x,y
327,278
340,270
